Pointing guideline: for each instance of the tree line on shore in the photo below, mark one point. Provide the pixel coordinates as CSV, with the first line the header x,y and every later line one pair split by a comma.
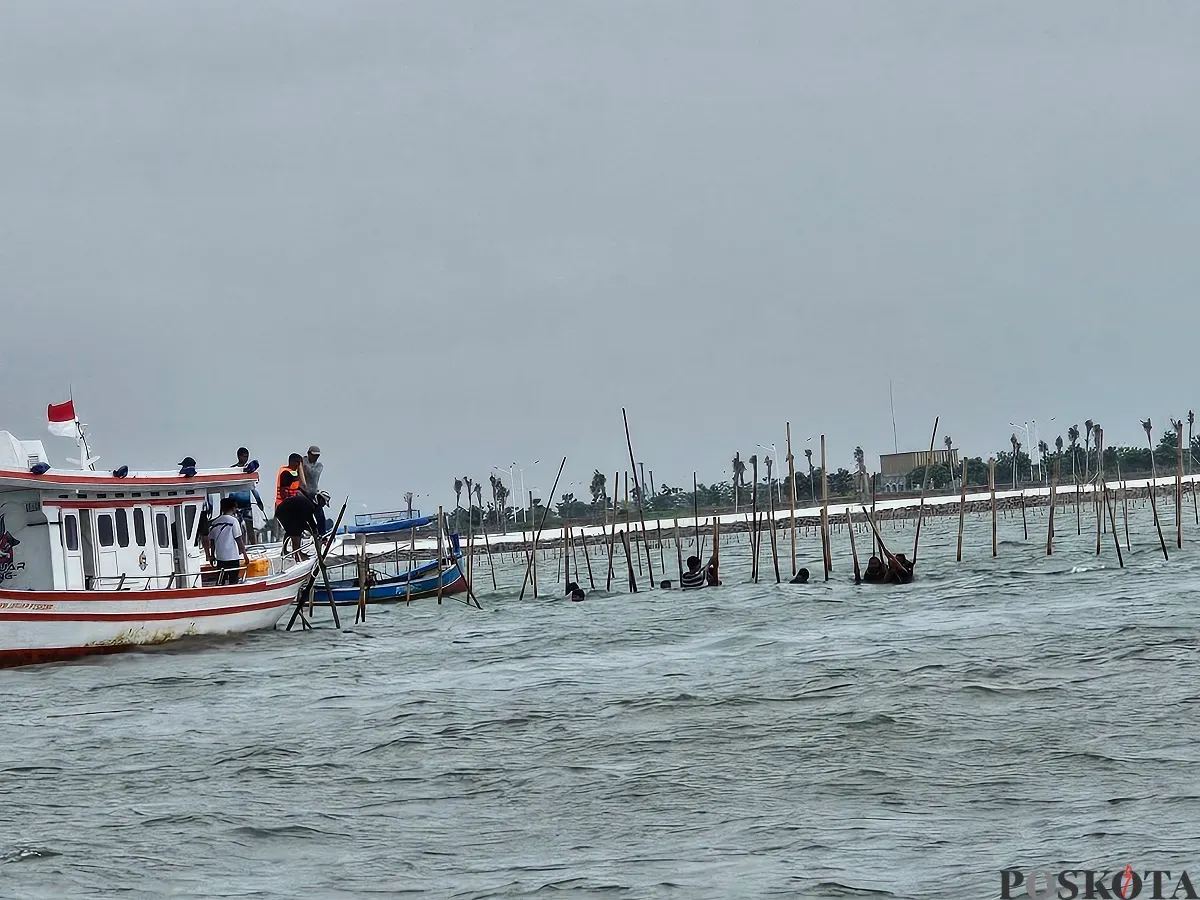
x,y
1014,466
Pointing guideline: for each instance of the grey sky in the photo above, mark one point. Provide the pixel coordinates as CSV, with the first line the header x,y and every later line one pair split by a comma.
x,y
443,236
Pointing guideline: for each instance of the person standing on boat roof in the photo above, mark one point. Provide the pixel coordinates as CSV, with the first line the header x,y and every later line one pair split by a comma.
x,y
243,458
311,468
225,543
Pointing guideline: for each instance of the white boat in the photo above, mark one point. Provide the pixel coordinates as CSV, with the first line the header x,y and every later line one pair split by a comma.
x,y
97,562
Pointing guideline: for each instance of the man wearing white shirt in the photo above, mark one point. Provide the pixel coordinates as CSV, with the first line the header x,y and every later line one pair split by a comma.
x,y
226,544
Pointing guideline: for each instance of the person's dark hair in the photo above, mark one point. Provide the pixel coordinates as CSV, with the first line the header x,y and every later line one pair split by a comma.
x,y
666,585
803,572
242,451
295,459
572,587
228,504
693,562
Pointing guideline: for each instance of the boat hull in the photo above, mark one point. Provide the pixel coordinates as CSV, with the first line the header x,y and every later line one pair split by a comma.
x,y
452,579
50,626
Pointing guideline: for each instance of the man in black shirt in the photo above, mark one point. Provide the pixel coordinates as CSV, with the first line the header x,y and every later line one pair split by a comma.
x,y
296,515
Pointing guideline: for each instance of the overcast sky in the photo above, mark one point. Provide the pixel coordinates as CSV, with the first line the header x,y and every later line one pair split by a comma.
x,y
436,237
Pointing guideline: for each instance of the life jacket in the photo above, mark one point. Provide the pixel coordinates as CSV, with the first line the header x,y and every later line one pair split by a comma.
x,y
282,493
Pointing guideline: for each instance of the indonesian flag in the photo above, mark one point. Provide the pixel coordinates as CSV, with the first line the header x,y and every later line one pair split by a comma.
x,y
61,417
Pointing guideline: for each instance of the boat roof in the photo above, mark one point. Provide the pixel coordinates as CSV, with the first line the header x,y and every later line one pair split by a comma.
x,y
17,458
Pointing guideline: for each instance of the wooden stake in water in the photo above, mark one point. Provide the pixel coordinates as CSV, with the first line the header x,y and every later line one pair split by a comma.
x,y
440,553
629,562
587,556
491,566
853,548
1024,520
641,493
1050,525
662,564
876,542
1124,503
924,488
1179,485
962,507
825,550
1154,490
1112,519
791,461
992,490
754,517
612,540
679,551
532,567
360,614
774,550
696,510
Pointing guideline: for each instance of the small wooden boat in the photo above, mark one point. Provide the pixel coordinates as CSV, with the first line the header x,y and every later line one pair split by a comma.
x,y
413,583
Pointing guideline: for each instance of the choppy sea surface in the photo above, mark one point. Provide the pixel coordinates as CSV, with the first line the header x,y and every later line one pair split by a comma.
x,y
823,741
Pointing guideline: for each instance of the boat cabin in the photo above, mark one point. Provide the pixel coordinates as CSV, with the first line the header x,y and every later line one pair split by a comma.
x,y
80,530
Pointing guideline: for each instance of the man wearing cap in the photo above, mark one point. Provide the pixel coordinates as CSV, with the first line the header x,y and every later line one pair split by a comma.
x,y
310,473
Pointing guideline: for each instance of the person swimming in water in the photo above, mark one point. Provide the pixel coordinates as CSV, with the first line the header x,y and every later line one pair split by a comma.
x,y
800,577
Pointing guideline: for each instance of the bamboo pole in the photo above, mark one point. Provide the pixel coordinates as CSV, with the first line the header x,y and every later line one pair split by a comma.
x,y
874,485
612,541
1154,490
1024,520
641,492
828,558
679,552
754,517
1112,518
792,481
992,490
533,557
774,549
662,563
1124,504
924,488
629,562
360,614
441,555
716,554
853,548
491,566
1050,524
1078,517
566,557
1179,485
962,508
587,557
696,511
412,550
1098,496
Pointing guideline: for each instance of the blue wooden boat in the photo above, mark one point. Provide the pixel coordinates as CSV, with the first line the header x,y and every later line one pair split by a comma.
x,y
414,584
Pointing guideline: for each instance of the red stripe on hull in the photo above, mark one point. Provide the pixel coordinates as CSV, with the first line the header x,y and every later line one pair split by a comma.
x,y
12,658
148,617
161,594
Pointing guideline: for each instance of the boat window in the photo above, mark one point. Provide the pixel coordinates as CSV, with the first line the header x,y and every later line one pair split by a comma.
x,y
104,529
71,532
189,515
139,527
160,527
122,528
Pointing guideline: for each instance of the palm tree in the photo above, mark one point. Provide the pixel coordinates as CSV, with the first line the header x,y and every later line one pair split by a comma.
x,y
458,486
1073,437
1087,440
812,489
739,477
598,485
1043,449
770,483
1016,445
408,499
949,442
860,465
479,498
467,482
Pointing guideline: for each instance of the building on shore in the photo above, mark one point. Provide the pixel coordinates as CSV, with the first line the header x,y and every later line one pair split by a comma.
x,y
894,468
